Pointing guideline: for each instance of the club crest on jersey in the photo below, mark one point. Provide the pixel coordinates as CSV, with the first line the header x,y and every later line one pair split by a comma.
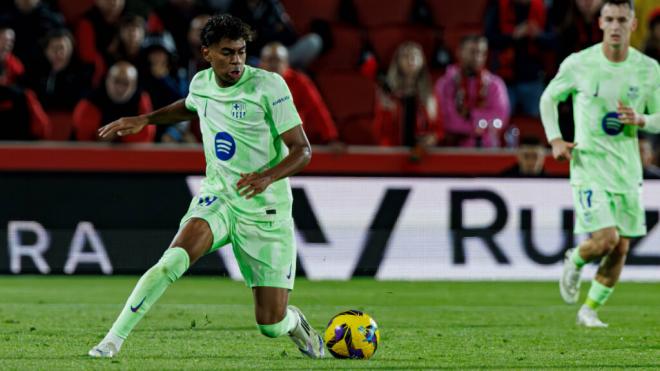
x,y
238,110
611,124
225,146
633,92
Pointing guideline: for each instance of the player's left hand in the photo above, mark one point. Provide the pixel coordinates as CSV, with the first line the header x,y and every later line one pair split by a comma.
x,y
252,184
628,116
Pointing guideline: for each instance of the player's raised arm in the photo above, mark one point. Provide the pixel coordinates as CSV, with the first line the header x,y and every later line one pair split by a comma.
x,y
173,113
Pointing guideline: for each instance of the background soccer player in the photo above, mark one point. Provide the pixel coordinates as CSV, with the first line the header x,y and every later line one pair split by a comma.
x,y
612,86
253,140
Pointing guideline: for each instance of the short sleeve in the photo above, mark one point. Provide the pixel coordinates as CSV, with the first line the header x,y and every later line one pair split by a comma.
x,y
190,103
280,105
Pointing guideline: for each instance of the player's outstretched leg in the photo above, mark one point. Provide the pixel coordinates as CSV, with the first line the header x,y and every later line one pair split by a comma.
x,y
569,283
150,287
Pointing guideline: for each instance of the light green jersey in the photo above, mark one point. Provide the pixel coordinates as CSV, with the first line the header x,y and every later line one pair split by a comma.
x,y
241,127
607,152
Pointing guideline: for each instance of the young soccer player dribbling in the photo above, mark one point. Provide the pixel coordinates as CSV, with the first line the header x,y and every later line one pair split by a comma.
x,y
253,140
613,85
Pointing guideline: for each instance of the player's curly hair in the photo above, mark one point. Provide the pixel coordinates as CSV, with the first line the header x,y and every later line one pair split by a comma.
x,y
224,26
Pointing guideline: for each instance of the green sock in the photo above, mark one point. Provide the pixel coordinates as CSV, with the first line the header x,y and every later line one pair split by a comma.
x,y
280,328
149,288
598,295
577,259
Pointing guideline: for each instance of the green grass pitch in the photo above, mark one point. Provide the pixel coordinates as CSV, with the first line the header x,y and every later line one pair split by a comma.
x,y
49,323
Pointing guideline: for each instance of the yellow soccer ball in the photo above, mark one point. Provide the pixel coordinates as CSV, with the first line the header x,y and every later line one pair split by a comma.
x,y
352,334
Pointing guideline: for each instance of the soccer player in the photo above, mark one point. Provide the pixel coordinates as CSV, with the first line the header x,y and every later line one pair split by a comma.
x,y
613,85
253,140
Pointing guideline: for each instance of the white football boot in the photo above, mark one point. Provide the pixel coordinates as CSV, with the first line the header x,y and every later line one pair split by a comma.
x,y
588,317
105,349
569,283
108,347
309,342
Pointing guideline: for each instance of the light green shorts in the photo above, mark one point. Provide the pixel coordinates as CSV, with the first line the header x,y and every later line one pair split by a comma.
x,y
265,250
596,209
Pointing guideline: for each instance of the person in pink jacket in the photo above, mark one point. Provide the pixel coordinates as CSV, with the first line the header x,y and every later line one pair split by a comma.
x,y
472,100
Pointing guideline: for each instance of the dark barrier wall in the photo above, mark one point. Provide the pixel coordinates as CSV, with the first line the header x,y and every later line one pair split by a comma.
x,y
132,217
387,228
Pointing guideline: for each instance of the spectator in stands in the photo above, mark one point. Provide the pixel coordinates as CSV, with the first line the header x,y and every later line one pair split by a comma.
x,y
516,33
21,115
473,101
12,66
118,98
95,32
127,44
192,54
59,79
318,124
648,156
652,47
406,109
578,29
531,159
175,17
270,22
160,80
31,20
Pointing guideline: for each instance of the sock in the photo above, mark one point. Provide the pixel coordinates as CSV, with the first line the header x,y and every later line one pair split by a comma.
x,y
598,295
150,287
282,327
577,259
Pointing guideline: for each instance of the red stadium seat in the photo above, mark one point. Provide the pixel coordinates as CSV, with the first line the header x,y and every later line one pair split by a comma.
x,y
62,125
302,12
386,40
451,13
350,98
72,10
375,13
345,53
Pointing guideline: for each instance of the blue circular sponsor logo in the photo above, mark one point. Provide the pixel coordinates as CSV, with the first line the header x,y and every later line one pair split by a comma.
x,y
611,124
225,146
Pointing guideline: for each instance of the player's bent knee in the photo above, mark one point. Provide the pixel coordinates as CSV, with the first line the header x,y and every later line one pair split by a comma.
x,y
174,263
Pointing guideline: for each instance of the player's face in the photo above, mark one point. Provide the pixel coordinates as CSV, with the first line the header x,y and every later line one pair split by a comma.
x,y
617,23
227,58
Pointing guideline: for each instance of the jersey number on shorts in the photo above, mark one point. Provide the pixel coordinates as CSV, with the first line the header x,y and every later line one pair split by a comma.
x,y
587,197
206,201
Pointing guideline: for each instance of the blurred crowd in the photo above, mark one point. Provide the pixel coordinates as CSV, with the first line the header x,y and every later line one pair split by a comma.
x,y
415,73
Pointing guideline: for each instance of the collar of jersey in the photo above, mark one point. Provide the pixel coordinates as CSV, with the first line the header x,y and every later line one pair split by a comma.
x,y
246,70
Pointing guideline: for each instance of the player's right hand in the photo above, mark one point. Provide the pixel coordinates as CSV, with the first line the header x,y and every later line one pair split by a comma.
x,y
123,126
561,149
